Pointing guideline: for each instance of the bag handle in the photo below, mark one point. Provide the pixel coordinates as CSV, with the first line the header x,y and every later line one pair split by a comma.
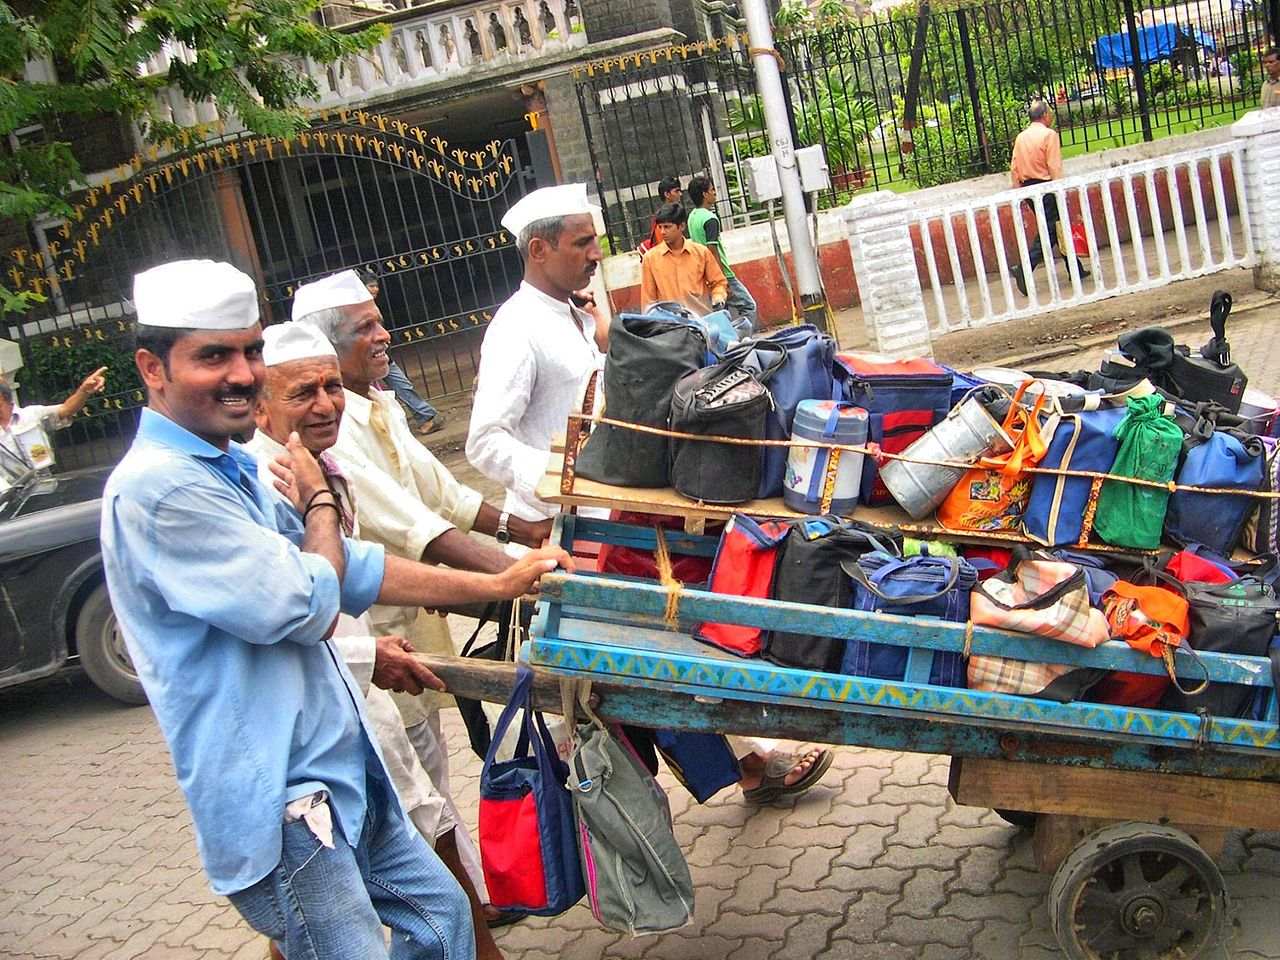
x,y
521,698
736,357
856,573
534,735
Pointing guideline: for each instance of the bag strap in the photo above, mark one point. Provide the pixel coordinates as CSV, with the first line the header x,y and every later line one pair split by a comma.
x,y
855,572
1168,658
521,699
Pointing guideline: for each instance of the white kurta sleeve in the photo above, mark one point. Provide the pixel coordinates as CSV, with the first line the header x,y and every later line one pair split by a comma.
x,y
359,652
504,385
389,515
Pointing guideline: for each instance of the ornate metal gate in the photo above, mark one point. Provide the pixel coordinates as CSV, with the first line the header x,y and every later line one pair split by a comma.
x,y
356,190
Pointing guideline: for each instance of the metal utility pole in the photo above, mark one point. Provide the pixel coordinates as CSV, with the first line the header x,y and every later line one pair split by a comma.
x,y
769,84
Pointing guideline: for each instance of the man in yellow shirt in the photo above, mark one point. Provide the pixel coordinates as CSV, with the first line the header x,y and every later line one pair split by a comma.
x,y
1037,158
679,269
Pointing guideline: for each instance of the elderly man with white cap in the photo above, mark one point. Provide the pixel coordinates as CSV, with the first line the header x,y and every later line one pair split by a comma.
x,y
540,348
409,501
227,597
303,394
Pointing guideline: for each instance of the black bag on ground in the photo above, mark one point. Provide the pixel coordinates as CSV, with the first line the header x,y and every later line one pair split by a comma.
x,y
808,571
726,400
473,716
647,356
1237,617
1210,374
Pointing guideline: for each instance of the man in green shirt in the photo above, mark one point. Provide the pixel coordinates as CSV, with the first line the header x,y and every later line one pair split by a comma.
x,y
704,227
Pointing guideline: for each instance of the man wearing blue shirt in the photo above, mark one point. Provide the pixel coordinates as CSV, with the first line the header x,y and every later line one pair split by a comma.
x,y
227,597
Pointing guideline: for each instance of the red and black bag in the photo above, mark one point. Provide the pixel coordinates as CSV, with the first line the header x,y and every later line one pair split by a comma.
x,y
903,399
743,567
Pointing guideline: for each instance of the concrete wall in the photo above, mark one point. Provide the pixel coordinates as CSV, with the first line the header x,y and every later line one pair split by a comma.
x,y
750,249
751,252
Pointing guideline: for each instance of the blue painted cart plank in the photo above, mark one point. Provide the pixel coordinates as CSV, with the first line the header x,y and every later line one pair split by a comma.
x,y
644,602
619,654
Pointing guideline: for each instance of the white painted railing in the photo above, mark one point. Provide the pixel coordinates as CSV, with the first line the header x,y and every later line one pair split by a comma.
x,y
418,50
1145,224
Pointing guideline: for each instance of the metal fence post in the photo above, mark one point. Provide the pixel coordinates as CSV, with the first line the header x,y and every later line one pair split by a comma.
x,y
971,81
1139,69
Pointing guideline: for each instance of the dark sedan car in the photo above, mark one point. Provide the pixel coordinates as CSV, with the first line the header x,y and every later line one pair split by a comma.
x,y
55,606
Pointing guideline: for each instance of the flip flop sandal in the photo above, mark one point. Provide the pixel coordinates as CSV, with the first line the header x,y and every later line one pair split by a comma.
x,y
774,784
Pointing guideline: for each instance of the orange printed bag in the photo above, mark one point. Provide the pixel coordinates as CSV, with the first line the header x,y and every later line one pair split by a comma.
x,y
993,495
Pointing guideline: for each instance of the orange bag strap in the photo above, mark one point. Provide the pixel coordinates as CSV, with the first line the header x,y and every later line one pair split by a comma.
x,y
1029,446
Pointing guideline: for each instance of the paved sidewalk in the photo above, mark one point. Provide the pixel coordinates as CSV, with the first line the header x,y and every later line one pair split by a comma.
x,y
97,858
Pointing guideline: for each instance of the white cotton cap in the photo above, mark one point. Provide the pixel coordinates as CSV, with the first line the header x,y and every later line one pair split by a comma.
x,y
195,295
336,290
283,342
562,201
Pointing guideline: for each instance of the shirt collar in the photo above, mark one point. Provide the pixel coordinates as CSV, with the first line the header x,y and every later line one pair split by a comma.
x,y
664,249
358,407
233,464
551,303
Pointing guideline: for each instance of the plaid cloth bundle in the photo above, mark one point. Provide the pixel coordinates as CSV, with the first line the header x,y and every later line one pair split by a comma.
x,y
1048,598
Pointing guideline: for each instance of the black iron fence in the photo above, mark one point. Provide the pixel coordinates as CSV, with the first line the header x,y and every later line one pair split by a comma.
x,y
918,97
365,191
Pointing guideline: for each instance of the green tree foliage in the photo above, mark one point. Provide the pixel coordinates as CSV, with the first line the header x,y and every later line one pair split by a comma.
x,y
246,61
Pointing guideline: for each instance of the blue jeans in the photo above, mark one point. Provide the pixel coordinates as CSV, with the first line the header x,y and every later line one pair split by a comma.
x,y
323,904
402,387
741,303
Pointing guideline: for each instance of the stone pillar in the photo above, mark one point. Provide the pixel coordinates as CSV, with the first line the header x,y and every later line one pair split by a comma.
x,y
884,267
1260,131
611,20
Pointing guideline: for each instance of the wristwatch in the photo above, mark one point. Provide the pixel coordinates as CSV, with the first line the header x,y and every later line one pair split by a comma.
x,y
502,534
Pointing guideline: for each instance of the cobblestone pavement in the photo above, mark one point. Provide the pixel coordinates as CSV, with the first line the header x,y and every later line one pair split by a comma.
x,y
97,858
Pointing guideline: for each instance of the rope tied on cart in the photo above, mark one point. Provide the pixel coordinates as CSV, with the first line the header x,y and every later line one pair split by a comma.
x,y
666,576
876,453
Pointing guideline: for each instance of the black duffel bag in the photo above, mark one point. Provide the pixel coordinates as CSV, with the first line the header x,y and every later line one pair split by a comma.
x,y
1237,617
647,356
727,400
808,571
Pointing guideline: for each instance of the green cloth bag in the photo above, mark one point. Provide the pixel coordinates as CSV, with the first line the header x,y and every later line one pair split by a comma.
x,y
1129,515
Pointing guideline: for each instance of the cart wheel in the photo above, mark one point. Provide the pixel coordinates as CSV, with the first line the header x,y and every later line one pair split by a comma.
x,y
1136,891
1017,818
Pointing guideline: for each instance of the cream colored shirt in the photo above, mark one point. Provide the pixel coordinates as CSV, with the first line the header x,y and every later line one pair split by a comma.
x,y
1037,155
407,498
1269,96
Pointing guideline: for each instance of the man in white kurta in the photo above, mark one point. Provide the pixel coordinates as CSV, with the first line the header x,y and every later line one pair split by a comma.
x,y
301,367
537,356
540,349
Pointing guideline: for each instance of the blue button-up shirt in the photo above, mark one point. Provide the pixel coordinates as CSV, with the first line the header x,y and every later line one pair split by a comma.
x,y
225,620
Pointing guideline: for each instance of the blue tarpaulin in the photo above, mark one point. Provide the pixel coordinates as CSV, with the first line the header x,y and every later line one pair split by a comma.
x,y
1113,51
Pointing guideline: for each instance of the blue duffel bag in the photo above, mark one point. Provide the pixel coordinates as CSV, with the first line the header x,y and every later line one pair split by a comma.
x,y
1223,460
805,375
1083,440
924,586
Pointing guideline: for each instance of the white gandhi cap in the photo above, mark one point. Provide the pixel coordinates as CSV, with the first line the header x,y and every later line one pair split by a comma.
x,y
336,290
562,201
195,295
283,342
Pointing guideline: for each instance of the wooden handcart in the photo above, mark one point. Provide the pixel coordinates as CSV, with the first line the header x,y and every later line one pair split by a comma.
x,y
1129,806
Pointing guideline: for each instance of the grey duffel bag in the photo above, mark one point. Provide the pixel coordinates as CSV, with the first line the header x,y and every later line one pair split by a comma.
x,y
636,876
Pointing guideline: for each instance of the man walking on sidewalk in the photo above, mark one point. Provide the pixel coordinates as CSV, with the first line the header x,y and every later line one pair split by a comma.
x,y
704,228
1037,158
